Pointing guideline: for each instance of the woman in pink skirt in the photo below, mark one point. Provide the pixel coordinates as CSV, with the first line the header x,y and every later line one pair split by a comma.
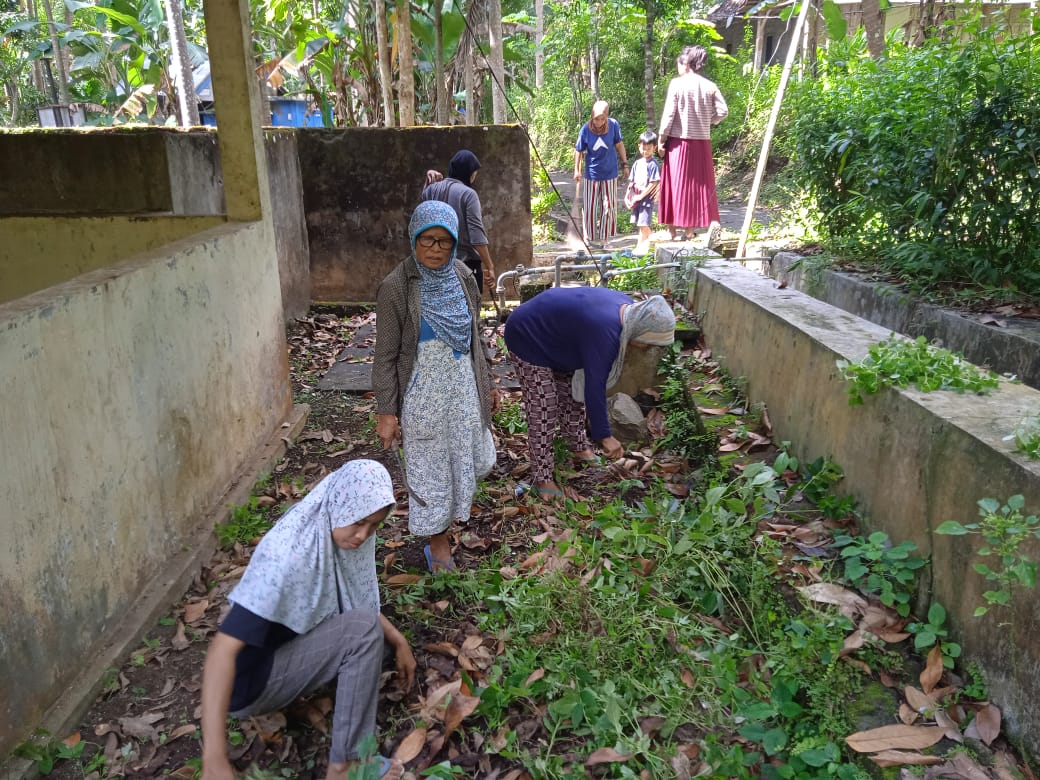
x,y
692,106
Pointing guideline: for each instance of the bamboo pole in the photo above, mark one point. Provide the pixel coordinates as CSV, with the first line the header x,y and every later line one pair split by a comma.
x,y
792,51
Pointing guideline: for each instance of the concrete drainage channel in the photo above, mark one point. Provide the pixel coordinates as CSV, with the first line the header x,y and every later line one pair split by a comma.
x,y
1006,345
913,460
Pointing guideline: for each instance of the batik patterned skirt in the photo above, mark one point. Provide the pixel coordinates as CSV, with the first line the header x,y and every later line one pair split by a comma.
x,y
447,447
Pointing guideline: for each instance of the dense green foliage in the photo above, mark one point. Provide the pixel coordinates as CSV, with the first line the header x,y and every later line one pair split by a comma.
x,y
929,158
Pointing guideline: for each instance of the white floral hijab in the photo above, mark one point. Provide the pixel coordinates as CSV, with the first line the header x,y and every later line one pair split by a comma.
x,y
297,576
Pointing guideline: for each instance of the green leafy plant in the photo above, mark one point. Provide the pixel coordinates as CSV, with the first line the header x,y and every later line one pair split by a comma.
x,y
1027,437
877,566
247,522
1004,528
898,362
44,751
933,631
510,418
645,279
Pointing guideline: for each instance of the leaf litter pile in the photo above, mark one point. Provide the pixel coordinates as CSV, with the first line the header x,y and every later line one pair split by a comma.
x,y
670,620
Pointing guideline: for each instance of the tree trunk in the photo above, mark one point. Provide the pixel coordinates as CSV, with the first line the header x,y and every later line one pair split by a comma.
x,y
498,75
539,36
385,69
180,66
472,104
13,97
57,56
874,27
648,64
438,66
405,64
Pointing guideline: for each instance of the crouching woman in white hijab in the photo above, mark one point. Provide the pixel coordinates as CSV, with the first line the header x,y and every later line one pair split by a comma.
x,y
306,612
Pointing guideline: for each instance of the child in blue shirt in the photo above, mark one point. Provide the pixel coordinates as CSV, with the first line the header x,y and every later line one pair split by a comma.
x,y
643,183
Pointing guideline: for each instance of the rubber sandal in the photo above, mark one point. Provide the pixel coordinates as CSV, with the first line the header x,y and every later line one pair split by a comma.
x,y
384,765
448,565
549,493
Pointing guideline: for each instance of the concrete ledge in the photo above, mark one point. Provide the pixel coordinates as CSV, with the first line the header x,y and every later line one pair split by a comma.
x,y
1011,349
166,588
913,460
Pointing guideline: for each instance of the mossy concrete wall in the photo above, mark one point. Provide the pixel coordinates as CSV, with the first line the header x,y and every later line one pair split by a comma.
x,y
110,194
1008,345
913,460
131,399
360,186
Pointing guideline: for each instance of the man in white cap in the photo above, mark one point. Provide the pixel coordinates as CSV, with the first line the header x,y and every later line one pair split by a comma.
x,y
601,146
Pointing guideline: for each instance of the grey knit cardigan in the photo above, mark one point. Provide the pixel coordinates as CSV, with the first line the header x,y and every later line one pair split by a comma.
x,y
398,311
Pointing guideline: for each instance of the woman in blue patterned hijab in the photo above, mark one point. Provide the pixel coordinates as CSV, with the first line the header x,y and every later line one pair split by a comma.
x,y
431,379
443,302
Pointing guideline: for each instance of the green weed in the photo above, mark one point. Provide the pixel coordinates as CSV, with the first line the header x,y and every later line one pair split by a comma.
x,y
933,631
1027,437
247,522
898,362
1004,528
510,418
875,565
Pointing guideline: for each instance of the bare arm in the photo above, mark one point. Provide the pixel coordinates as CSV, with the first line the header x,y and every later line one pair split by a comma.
x,y
577,165
402,653
218,678
488,266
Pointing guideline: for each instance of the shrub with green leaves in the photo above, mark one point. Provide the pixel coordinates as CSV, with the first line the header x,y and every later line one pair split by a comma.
x,y
929,158
898,362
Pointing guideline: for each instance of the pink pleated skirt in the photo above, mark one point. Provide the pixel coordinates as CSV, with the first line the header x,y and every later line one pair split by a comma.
x,y
688,198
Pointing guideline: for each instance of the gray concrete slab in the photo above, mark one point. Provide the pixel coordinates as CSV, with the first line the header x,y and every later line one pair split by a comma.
x,y
352,371
1007,345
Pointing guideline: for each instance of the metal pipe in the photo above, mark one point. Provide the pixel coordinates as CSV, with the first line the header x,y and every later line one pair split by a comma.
x,y
620,271
597,259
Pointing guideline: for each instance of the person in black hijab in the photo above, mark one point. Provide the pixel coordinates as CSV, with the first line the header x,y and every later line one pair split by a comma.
x,y
457,191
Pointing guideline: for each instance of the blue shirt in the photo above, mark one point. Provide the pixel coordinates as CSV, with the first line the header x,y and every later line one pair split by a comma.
x,y
567,328
601,163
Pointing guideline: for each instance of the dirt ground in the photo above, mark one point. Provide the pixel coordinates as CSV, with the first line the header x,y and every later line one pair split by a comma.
x,y
146,721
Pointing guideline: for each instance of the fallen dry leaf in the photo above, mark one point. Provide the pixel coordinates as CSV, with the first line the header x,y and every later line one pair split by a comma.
x,y
398,580
888,758
920,702
194,611
849,602
72,739
606,755
987,723
180,731
411,746
933,670
534,676
180,641
960,768
894,737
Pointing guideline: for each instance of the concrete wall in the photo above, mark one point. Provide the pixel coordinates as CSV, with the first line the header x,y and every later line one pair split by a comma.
x,y
1010,349
913,460
360,186
127,177
130,398
290,227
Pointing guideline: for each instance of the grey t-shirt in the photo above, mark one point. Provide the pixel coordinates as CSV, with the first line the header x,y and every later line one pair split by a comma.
x,y
464,200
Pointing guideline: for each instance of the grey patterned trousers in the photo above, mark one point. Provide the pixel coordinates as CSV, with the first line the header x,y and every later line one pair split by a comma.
x,y
347,648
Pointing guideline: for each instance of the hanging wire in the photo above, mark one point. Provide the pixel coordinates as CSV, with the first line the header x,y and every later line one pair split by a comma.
x,y
516,115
